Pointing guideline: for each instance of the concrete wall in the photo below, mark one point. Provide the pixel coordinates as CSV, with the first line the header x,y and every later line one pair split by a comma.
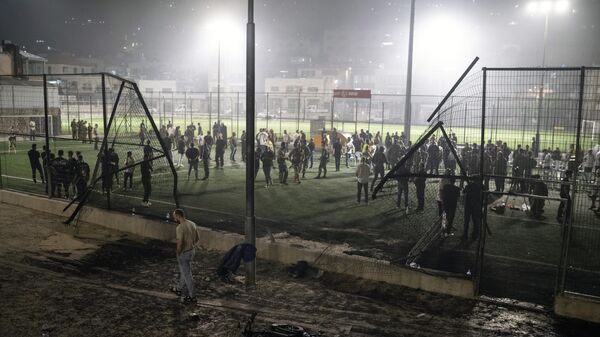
x,y
579,307
211,239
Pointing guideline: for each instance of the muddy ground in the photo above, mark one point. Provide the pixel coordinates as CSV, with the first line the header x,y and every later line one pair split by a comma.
x,y
91,281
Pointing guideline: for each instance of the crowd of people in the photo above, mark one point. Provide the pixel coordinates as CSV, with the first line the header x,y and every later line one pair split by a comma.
x,y
67,177
81,130
528,170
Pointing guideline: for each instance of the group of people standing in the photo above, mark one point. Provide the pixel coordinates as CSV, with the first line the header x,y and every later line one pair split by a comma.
x,y
81,130
70,174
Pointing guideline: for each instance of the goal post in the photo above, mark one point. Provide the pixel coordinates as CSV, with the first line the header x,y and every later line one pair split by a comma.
x,y
20,125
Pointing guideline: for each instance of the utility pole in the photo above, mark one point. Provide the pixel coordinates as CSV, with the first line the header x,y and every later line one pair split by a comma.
x,y
250,225
408,98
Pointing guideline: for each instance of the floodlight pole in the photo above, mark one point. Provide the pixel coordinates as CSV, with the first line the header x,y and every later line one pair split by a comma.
x,y
250,225
408,99
218,83
541,93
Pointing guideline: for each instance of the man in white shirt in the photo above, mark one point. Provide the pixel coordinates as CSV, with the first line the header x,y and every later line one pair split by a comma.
x,y
349,150
32,130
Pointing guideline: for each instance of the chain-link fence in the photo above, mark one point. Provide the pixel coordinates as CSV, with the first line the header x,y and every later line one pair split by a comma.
x,y
508,136
61,143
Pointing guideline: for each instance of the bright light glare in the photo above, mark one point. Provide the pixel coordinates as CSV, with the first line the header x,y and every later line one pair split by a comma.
x,y
545,7
562,6
532,7
223,30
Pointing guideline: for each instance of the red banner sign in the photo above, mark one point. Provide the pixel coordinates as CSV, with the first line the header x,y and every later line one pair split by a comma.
x,y
343,93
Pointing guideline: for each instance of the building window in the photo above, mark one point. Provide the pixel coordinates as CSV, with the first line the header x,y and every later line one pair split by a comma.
x,y
312,89
65,70
166,90
49,70
274,89
149,90
293,88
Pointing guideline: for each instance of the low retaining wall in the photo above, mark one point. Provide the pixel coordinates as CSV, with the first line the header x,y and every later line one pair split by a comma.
x,y
580,307
211,239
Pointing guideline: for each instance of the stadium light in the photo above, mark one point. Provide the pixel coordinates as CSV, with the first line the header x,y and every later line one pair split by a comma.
x,y
544,7
222,30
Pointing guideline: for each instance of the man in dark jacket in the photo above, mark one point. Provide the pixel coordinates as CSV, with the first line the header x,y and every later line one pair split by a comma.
x,y
500,171
34,162
59,174
82,176
402,178
473,205
220,151
337,154
450,194
564,209
379,162
193,156
146,171
323,163
420,187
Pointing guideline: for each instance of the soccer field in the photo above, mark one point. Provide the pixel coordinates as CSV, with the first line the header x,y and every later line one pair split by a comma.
x,y
326,210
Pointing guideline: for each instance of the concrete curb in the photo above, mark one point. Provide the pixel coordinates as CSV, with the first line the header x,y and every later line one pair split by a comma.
x,y
366,268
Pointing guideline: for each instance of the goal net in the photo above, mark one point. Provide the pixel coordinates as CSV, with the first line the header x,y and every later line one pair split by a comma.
x,y
22,125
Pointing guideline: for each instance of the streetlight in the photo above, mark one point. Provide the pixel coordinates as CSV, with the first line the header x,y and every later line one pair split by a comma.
x,y
545,8
221,30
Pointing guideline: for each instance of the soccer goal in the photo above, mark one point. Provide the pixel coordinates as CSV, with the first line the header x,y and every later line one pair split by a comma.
x,y
20,125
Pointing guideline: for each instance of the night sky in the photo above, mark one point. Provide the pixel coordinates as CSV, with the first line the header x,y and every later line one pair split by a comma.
x,y
448,32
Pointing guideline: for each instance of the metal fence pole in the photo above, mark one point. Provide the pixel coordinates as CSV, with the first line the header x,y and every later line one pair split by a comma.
x,y
382,115
298,112
355,117
369,115
237,108
267,107
482,229
92,117
46,138
578,159
332,106
68,115
209,112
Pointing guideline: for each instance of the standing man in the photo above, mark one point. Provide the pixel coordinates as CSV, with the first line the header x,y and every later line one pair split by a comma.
x,y
349,150
379,162
323,163
129,168
32,130
96,138
402,178
267,160
34,161
205,156
187,238
281,158
193,156
337,153
243,143
220,151
296,157
233,143
82,176
450,194
311,152
473,204
146,170
363,171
